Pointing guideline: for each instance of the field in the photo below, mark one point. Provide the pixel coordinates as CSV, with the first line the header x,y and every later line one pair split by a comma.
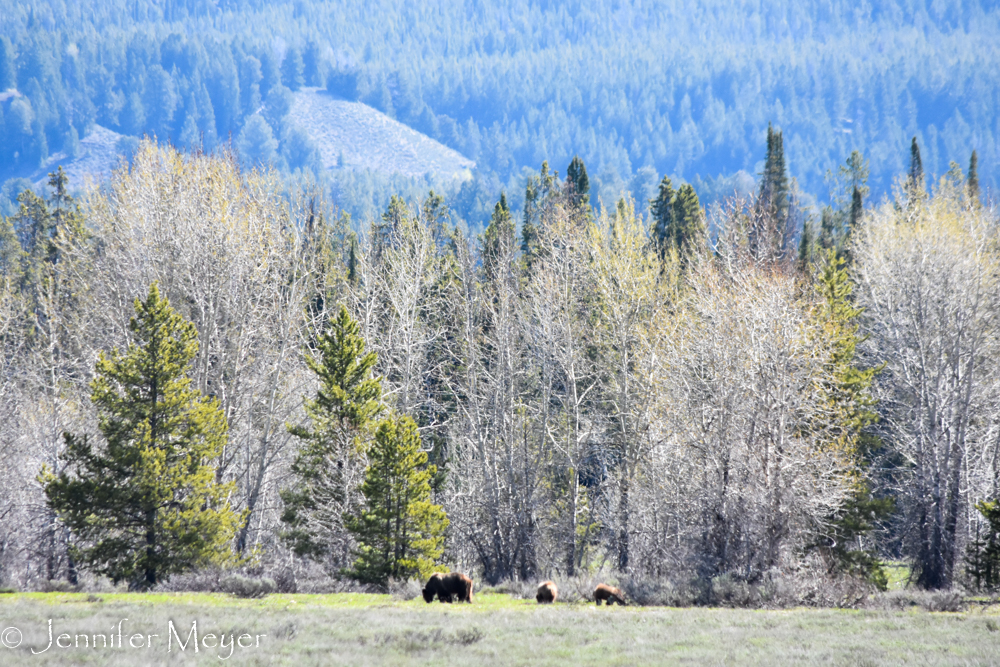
x,y
355,629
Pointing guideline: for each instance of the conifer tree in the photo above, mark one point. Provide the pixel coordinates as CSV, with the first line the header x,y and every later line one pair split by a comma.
x,y
857,210
972,181
852,409
662,210
341,417
774,189
537,194
806,244
400,532
148,505
688,223
916,177
577,182
499,231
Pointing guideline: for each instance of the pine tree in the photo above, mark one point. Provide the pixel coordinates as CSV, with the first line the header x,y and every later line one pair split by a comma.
x,y
852,407
915,182
400,532
498,232
982,554
148,505
662,210
577,182
341,417
806,244
857,210
774,189
537,195
688,223
972,181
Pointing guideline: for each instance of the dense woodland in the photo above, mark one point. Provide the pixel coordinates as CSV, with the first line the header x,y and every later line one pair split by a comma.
x,y
570,391
510,87
773,366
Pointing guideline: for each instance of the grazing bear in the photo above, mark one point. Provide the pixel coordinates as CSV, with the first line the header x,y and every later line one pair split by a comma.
x,y
447,585
547,592
609,594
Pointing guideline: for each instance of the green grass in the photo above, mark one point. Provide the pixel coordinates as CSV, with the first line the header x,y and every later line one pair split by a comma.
x,y
355,629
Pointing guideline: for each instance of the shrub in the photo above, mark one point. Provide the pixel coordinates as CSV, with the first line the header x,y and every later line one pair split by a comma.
x,y
247,587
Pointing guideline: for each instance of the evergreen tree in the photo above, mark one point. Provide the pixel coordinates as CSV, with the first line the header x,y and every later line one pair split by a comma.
x,y
341,417
662,210
537,194
400,532
982,555
498,232
774,189
148,505
915,181
857,210
806,244
688,225
577,182
852,407
972,181
829,235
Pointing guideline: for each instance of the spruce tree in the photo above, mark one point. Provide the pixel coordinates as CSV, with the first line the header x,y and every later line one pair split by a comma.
x,y
341,417
857,210
400,532
662,210
577,182
915,180
146,504
688,226
774,189
500,231
852,411
806,244
972,182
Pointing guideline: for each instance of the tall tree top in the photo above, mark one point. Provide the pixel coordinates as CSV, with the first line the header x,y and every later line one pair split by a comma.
x,y
972,181
916,166
576,178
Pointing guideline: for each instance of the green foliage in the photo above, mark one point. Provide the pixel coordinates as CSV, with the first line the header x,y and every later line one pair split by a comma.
x,y
499,233
147,504
400,532
577,182
677,218
341,415
848,389
972,181
774,189
982,554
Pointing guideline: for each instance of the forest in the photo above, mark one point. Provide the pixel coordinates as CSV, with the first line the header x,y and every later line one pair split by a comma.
x,y
714,314
191,355
512,87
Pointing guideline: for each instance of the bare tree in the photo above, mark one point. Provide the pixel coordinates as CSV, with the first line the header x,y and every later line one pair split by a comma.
x,y
927,275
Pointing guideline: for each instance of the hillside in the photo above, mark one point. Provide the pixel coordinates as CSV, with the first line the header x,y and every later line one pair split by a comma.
x,y
355,136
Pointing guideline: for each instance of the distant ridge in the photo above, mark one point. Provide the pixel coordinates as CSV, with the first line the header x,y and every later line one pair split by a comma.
x,y
365,138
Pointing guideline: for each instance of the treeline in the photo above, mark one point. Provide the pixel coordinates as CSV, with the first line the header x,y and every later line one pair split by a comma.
x,y
532,82
587,390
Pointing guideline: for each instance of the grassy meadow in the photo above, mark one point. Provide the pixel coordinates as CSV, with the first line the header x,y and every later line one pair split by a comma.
x,y
357,629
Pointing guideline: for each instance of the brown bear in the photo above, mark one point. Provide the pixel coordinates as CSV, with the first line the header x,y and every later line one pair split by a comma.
x,y
609,594
547,592
447,585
